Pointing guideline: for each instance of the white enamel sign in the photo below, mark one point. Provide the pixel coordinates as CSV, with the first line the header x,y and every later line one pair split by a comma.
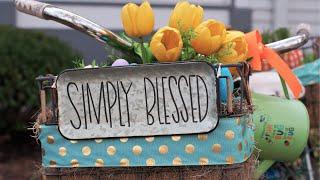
x,y
143,100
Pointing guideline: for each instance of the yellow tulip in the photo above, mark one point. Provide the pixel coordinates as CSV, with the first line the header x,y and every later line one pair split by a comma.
x,y
186,16
166,44
137,21
234,49
210,35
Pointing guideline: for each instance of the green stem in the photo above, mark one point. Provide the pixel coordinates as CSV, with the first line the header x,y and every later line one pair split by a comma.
x,y
143,52
284,87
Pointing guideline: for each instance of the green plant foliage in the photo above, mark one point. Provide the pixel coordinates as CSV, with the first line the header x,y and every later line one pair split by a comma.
x,y
79,63
24,55
272,36
137,56
188,53
137,49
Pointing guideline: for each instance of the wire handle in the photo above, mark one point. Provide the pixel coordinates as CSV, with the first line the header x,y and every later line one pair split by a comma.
x,y
294,42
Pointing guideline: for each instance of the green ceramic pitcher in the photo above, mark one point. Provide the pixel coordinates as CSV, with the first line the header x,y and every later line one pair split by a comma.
x,y
282,129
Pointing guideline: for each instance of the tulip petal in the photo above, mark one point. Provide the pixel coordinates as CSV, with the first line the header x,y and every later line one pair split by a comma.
x,y
173,54
145,19
128,15
126,21
202,42
227,54
230,57
172,20
182,9
242,57
170,39
235,48
160,52
157,48
185,16
197,16
241,45
216,43
166,44
174,16
231,35
216,28
210,35
133,11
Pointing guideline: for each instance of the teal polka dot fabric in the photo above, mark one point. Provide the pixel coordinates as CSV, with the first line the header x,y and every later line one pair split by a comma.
x,y
231,142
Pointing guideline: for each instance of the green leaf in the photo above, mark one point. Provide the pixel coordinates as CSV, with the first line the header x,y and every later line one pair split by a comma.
x,y
124,36
113,43
93,63
79,63
137,50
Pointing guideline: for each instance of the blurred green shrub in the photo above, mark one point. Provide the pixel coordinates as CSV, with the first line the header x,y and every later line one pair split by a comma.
x,y
272,36
24,55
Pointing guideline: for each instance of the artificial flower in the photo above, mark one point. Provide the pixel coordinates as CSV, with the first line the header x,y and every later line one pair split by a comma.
x,y
186,16
234,48
210,35
166,44
137,21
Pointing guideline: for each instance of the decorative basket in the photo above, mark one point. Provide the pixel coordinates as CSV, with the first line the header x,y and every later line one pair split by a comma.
x,y
225,150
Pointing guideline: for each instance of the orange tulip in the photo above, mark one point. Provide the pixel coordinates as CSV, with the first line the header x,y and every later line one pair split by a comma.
x,y
234,49
166,44
137,21
210,35
186,16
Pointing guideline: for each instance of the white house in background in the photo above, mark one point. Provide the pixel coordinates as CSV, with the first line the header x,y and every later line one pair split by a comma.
x,y
243,14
